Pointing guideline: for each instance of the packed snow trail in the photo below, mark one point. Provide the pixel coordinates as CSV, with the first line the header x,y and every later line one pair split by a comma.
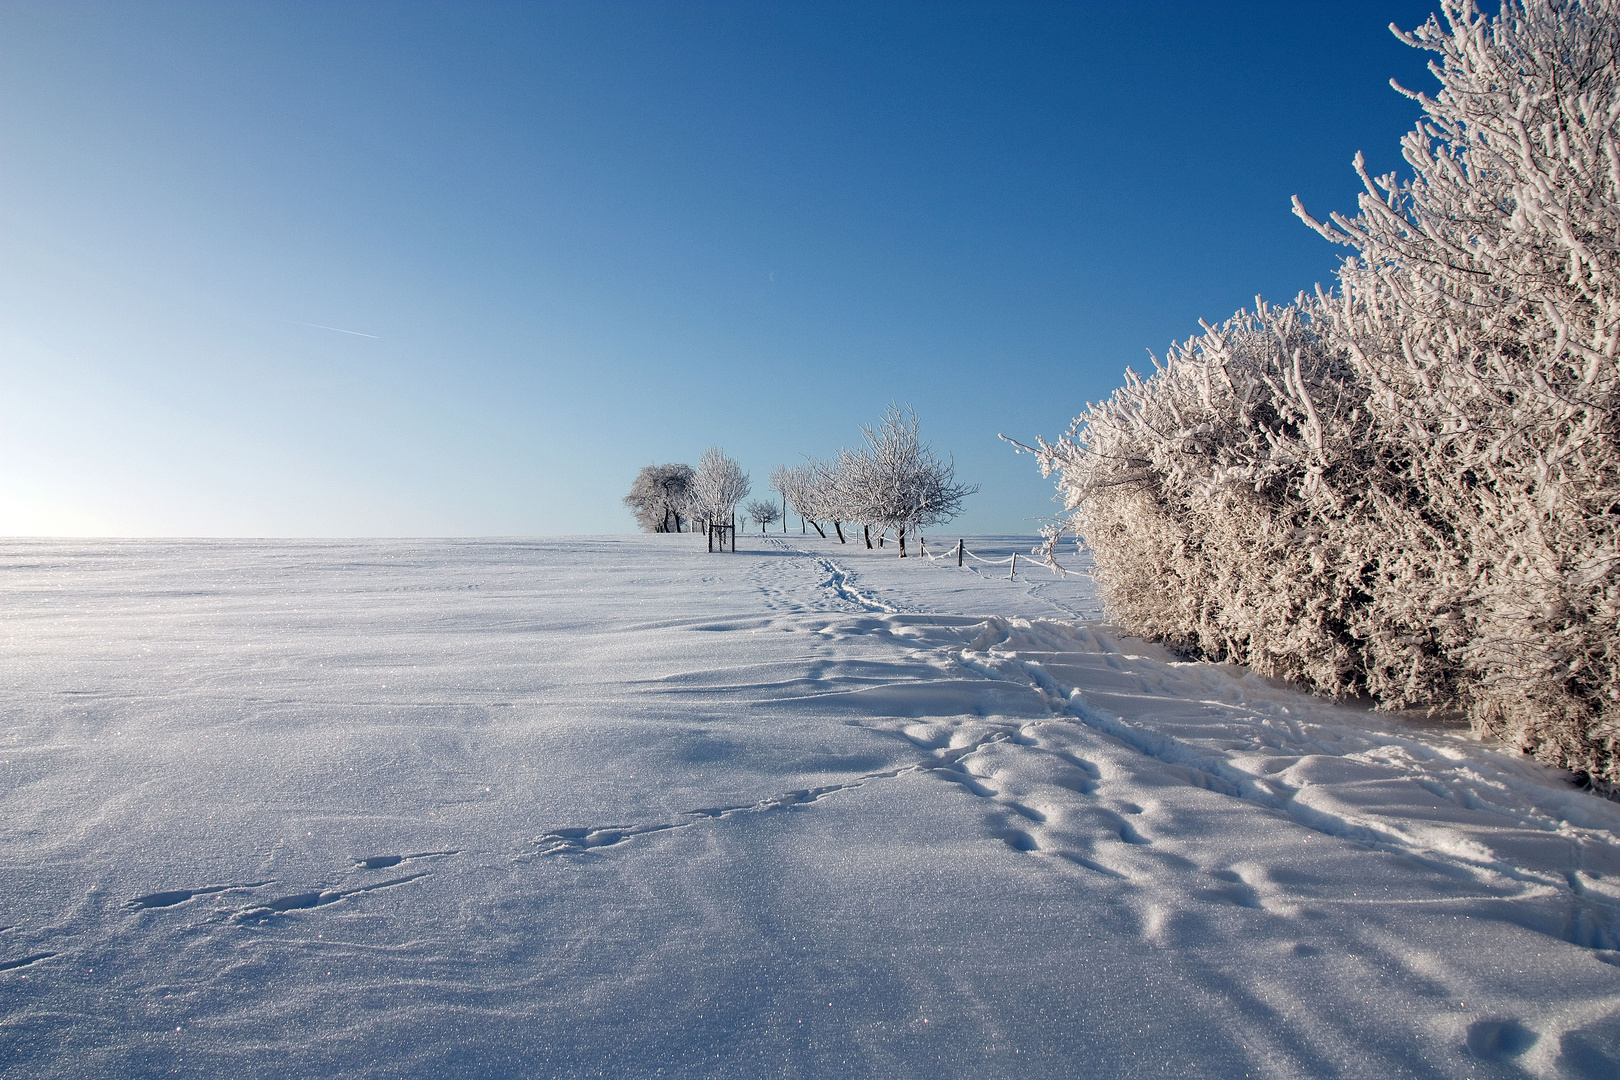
x,y
589,806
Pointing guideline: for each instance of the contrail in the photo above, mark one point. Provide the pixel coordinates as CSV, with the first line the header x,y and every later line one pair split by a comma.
x,y
339,329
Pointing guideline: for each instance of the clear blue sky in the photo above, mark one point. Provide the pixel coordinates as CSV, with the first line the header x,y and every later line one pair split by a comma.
x,y
461,268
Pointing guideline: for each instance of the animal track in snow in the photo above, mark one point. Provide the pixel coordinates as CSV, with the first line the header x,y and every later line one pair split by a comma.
x,y
295,902
576,841
1091,864
1025,811
956,774
383,862
1232,890
27,961
1019,840
172,897
314,899
1500,1038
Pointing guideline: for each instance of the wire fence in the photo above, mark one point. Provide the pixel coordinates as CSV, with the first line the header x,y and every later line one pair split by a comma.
x,y
960,552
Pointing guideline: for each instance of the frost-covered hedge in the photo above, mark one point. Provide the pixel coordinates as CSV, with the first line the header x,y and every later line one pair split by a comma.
x,y
1409,488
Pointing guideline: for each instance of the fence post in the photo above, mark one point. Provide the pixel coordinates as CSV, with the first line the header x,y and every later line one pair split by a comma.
x,y
1014,575
959,553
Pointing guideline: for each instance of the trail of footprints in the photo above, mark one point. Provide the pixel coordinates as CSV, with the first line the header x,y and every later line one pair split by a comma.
x,y
837,589
576,841
1023,827
1042,801
1048,822
260,910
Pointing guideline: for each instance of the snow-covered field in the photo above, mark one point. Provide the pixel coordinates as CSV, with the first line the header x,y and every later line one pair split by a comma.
x,y
615,806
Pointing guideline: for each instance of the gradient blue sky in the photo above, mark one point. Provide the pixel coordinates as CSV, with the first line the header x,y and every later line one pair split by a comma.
x,y
461,268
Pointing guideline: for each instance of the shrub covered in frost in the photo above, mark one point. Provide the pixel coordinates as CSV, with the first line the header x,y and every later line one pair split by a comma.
x,y
1410,487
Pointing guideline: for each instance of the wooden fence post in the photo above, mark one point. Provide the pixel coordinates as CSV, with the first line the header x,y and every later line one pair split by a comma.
x,y
959,553
1014,575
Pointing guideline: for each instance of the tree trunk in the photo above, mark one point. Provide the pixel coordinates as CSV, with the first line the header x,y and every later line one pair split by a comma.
x,y
839,529
900,535
819,529
866,531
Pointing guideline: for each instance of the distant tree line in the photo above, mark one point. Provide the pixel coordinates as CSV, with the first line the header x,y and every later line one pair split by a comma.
x,y
677,498
1409,487
894,482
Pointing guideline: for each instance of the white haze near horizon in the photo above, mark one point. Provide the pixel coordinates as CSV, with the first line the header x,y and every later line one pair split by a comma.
x,y
616,806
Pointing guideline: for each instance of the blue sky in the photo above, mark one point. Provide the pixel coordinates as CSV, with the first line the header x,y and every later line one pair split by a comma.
x,y
460,268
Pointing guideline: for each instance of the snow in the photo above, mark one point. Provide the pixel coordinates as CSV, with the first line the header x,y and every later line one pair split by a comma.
x,y
617,806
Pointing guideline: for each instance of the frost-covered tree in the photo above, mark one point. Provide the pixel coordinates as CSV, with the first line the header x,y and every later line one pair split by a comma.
x,y
851,476
764,512
824,496
716,488
658,497
895,481
1411,486
781,479
794,484
812,490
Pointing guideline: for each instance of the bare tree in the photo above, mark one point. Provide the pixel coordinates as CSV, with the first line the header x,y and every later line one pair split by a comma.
x,y
658,495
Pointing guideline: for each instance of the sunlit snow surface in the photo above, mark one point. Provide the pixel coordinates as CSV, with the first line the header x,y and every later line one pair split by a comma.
x,y
616,806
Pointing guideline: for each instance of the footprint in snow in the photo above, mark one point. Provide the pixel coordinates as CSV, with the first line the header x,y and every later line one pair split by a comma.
x,y
1019,840
1233,890
574,841
26,961
383,862
1500,1038
281,905
172,897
